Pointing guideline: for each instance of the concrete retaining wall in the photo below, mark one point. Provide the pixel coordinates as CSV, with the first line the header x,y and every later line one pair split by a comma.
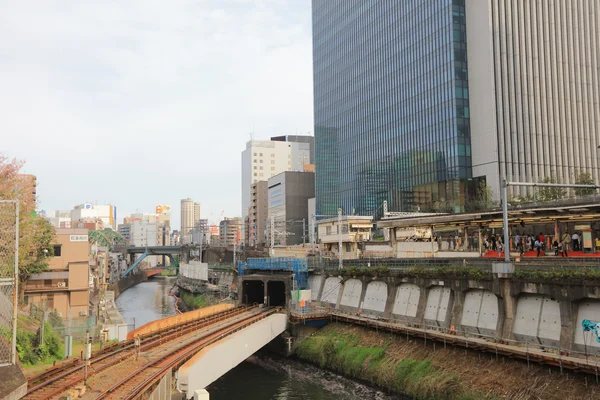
x,y
538,313
406,302
351,295
314,284
331,290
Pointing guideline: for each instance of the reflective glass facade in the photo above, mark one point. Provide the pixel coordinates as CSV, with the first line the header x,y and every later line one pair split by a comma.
x,y
391,104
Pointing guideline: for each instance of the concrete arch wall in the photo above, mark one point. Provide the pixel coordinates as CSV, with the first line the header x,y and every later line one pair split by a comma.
x,y
481,313
406,302
537,320
351,294
438,309
375,297
331,290
314,284
586,341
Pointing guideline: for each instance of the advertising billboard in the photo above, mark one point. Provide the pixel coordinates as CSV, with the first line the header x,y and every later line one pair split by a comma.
x,y
163,209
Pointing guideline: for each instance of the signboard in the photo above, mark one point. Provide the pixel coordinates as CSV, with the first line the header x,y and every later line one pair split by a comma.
x,y
78,238
582,227
587,240
163,209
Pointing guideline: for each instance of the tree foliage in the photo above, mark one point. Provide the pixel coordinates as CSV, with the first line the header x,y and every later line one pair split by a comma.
x,y
551,193
483,199
35,233
584,178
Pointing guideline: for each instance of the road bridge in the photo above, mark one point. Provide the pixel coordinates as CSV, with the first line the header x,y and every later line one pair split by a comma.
x,y
144,364
143,252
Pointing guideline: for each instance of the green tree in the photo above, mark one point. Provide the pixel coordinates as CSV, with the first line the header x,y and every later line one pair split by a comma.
x,y
35,233
584,178
483,199
551,193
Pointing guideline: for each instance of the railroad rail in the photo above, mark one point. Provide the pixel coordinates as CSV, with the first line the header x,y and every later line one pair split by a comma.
x,y
138,382
58,379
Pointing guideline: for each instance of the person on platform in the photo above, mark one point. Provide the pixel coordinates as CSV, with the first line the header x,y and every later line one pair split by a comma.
x,y
538,246
575,239
543,241
566,239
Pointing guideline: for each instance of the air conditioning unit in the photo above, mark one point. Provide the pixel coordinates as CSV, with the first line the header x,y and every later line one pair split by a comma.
x,y
61,284
82,313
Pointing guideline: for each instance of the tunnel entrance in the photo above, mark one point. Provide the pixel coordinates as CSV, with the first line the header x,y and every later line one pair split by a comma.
x,y
276,293
253,292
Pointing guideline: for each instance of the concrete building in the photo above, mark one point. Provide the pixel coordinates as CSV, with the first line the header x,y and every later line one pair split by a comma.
x,y
230,231
190,215
258,214
494,88
201,233
106,213
288,195
65,286
355,231
61,219
264,159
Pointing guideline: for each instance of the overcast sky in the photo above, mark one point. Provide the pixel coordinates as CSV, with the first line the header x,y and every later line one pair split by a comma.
x,y
138,103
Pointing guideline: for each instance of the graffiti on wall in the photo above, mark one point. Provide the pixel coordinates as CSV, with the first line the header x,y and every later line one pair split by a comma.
x,y
594,327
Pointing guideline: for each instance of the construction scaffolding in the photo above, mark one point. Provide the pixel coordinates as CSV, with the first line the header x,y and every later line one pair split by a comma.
x,y
298,266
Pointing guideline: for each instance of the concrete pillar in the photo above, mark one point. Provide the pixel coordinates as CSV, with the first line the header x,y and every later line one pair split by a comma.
x,y
391,298
479,241
509,305
363,292
423,293
201,395
321,286
340,294
568,322
457,308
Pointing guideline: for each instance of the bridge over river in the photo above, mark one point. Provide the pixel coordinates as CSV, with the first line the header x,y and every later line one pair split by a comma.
x,y
143,366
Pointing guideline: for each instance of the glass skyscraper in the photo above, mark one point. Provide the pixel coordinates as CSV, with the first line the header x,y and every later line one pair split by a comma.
x,y
391,101
417,101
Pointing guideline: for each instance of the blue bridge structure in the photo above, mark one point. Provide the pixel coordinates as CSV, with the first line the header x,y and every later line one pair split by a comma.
x,y
140,253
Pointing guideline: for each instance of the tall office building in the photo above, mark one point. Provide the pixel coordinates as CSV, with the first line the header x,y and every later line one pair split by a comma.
x,y
417,101
190,215
264,159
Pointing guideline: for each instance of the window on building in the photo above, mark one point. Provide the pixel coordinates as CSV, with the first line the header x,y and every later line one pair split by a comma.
x,y
255,174
272,161
57,250
289,163
260,167
47,282
289,156
328,230
272,168
261,174
261,154
348,247
272,154
255,161
255,167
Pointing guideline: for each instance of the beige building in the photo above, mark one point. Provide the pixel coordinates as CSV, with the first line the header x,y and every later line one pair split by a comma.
x,y
258,213
355,230
65,286
230,231
190,215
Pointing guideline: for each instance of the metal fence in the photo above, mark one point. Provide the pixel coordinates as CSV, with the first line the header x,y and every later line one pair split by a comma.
x,y
9,275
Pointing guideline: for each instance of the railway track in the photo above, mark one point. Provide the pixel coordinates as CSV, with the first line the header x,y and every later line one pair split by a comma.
x,y
58,379
139,381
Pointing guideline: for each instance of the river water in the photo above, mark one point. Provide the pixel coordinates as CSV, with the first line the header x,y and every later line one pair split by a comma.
x,y
259,378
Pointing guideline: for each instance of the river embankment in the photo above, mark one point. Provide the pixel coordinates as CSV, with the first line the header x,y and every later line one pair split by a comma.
x,y
431,371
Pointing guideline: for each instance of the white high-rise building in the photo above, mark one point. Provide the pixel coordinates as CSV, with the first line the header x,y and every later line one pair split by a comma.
x,y
264,159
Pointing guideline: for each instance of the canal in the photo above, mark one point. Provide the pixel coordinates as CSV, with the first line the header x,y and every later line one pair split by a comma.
x,y
259,378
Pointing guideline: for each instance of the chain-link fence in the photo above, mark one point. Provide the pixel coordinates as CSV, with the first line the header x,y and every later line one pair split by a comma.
x,y
9,259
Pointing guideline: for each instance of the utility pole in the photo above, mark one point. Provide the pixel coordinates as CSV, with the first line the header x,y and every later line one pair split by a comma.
x,y
272,232
505,246
340,239
303,232
234,250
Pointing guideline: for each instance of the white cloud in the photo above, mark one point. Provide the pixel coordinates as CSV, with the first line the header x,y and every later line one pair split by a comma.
x,y
148,102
